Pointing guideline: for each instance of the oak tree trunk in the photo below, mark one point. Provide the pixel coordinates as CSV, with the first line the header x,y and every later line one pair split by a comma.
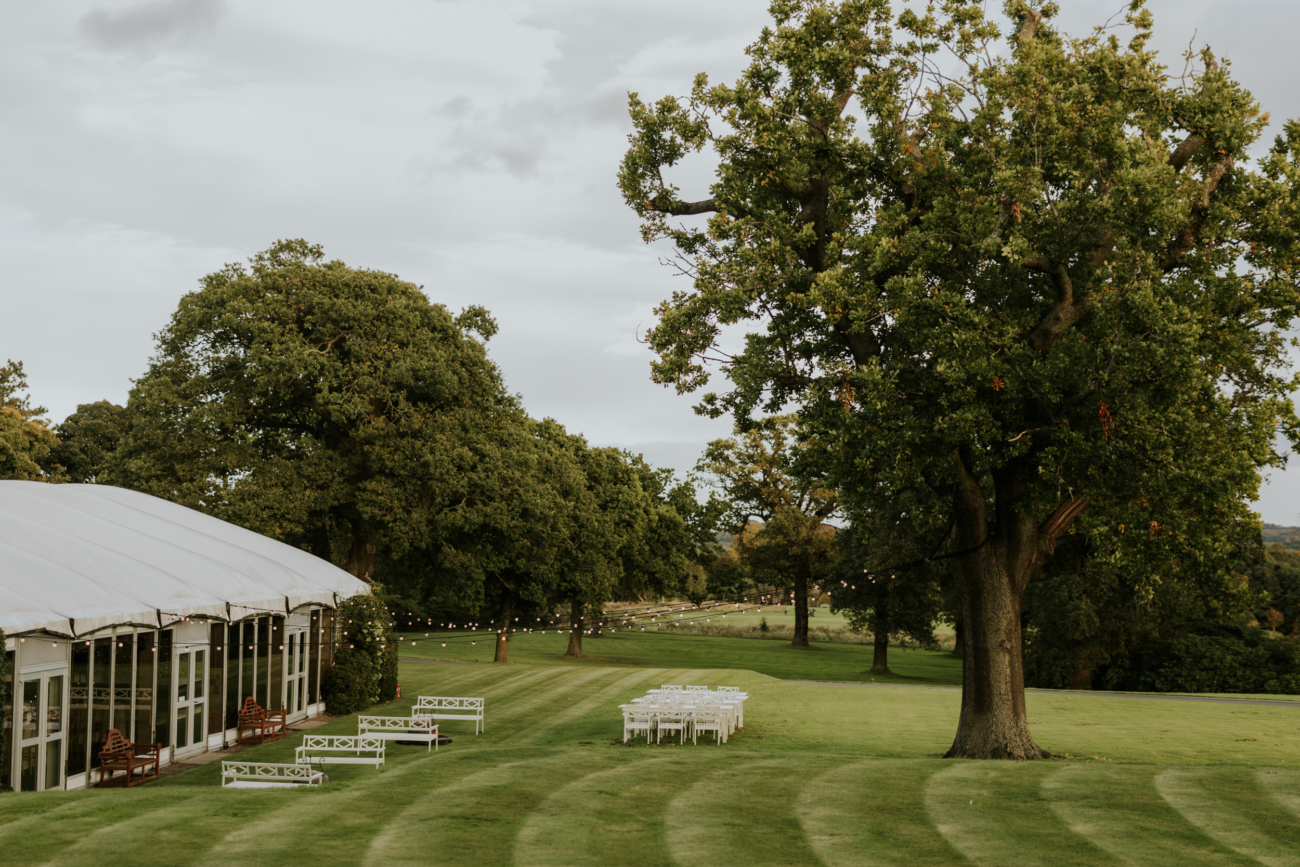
x,y
503,629
361,557
993,724
958,647
575,633
999,554
800,608
880,653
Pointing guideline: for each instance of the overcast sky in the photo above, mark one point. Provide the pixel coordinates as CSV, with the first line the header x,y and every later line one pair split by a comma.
x,y
470,147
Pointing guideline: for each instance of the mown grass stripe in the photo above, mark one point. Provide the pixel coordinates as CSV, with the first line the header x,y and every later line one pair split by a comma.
x,y
614,815
1283,785
993,812
291,826
1118,809
603,695
1230,805
872,814
746,807
118,842
474,821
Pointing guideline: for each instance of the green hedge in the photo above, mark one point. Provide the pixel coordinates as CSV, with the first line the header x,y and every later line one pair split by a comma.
x,y
365,655
1228,658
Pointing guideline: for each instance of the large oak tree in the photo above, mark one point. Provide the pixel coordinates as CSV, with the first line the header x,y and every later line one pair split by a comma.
x,y
329,406
1029,273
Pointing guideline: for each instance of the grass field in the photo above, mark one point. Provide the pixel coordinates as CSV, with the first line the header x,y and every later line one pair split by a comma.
x,y
837,774
839,662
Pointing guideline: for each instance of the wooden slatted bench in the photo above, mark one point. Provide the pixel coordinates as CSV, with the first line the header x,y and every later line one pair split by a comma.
x,y
340,750
268,775
119,754
264,725
442,707
399,728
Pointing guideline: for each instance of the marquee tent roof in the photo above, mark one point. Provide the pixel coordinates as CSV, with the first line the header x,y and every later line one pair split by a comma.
x,y
77,558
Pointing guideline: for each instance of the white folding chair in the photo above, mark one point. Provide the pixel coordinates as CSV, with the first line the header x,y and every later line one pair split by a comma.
x,y
708,720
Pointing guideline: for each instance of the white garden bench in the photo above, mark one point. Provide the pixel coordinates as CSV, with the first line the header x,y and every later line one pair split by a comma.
x,y
340,750
399,728
440,707
268,775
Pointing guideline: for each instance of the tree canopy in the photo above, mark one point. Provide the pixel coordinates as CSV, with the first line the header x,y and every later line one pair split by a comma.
x,y
330,406
756,476
26,440
1038,277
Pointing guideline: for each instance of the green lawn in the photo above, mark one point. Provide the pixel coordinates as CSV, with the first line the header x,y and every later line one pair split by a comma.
x,y
839,662
835,774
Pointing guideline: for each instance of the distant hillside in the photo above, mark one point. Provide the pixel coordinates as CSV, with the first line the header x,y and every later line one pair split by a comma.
x,y
1288,536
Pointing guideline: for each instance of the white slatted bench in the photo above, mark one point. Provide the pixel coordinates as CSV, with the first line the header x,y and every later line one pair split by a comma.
x,y
399,728
268,775
441,707
340,750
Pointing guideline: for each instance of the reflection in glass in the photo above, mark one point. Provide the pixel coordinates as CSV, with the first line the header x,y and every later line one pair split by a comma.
x,y
200,672
216,654
31,709
7,717
123,672
198,724
182,677
78,708
163,691
144,658
54,705
263,660
27,770
53,764
232,676
101,688
275,654
182,726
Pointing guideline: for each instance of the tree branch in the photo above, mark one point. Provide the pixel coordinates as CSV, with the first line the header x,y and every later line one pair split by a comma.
x,y
1057,523
684,209
1219,169
1032,18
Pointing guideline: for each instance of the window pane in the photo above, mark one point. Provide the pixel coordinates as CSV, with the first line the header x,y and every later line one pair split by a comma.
x,y
53,764
263,659
163,692
101,691
182,727
216,682
144,661
79,708
200,673
31,710
54,705
27,770
198,724
182,677
123,688
248,662
275,677
7,718
232,676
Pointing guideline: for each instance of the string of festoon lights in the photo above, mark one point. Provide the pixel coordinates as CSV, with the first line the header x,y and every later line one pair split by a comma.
x,y
453,630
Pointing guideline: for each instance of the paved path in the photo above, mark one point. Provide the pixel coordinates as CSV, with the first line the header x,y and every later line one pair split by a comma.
x,y
1068,692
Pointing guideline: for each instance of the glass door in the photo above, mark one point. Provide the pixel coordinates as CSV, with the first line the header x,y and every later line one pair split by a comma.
x,y
41,756
296,674
190,703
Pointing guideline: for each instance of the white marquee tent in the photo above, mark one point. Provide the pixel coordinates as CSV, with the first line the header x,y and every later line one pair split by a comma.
x,y
78,558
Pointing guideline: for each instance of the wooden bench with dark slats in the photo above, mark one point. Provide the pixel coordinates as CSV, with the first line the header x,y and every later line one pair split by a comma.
x,y
263,725
119,754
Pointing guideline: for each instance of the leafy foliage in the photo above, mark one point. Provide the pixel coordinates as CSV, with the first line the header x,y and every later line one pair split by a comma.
x,y
25,439
87,438
327,406
365,657
1048,280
